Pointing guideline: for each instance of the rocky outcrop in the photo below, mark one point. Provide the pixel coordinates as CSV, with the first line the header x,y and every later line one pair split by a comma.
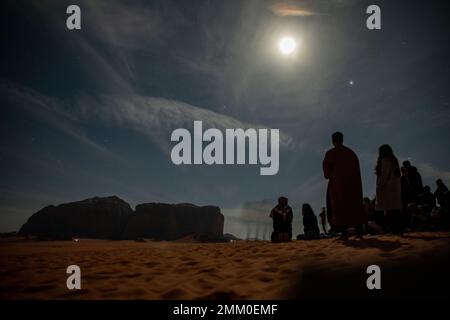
x,y
161,221
103,218
113,218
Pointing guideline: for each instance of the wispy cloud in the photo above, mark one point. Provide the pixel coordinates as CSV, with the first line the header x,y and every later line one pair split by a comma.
x,y
154,117
292,9
48,110
158,117
430,171
307,8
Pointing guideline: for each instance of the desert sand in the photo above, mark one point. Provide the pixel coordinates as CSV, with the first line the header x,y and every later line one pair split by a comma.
x,y
235,270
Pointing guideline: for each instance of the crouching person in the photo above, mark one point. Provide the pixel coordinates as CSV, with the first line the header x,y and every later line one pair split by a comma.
x,y
282,221
310,226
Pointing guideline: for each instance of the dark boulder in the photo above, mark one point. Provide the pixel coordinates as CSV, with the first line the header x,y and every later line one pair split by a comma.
x,y
102,218
227,237
161,221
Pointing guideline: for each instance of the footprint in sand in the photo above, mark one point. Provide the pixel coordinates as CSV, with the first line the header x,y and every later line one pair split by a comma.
x,y
151,264
207,270
271,269
191,263
132,275
265,279
319,254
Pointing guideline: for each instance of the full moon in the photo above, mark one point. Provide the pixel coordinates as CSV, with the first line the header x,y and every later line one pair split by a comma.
x,y
287,45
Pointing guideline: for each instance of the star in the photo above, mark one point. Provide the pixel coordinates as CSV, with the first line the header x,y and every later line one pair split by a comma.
x,y
351,82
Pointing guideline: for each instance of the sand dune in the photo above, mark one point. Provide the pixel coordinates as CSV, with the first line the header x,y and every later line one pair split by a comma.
x,y
175,270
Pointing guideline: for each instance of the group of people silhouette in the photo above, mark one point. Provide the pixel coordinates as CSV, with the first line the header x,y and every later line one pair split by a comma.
x,y
402,202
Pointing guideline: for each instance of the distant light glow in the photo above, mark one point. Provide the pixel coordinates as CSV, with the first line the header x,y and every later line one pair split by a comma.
x,y
287,45
351,82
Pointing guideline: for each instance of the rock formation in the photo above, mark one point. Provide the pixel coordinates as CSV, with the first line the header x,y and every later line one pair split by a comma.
x,y
103,218
162,221
113,218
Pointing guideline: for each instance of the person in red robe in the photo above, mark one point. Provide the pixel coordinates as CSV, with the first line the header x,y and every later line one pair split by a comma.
x,y
344,193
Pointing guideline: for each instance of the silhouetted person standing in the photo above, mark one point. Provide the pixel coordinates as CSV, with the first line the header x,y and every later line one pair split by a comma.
x,y
344,193
414,180
389,193
282,221
408,196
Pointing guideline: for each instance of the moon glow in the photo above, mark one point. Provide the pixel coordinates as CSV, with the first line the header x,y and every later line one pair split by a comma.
x,y
287,45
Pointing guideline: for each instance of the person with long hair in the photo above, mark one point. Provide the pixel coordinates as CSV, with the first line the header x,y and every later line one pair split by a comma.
x,y
282,217
310,225
389,192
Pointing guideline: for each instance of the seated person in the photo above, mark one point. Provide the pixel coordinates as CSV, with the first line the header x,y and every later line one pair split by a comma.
x,y
442,195
282,221
374,222
427,201
310,225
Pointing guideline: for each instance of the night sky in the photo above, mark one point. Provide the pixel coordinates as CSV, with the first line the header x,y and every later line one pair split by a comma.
x,y
90,112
